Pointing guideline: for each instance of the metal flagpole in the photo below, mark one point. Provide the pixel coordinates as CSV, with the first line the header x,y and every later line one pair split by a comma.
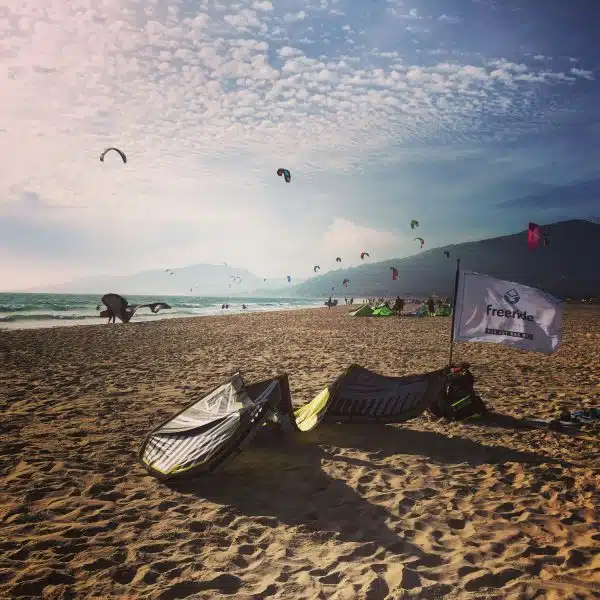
x,y
454,310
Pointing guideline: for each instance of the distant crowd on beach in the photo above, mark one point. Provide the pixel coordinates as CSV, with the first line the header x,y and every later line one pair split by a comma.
x,y
435,304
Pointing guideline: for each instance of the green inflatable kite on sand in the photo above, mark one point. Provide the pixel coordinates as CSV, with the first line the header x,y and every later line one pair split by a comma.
x,y
363,311
367,311
382,311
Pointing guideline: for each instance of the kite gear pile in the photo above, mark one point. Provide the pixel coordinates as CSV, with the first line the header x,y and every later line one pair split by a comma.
x,y
459,401
216,427
583,416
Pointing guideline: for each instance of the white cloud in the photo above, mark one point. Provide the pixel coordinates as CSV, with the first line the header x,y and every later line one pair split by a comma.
x,y
292,17
194,96
262,5
287,52
243,19
583,73
400,11
449,18
347,239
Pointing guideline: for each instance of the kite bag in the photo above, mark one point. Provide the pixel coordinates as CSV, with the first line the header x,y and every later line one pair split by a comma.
x,y
458,400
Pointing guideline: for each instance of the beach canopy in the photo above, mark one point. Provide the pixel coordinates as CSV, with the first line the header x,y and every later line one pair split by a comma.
x,y
422,311
363,311
382,311
367,311
214,428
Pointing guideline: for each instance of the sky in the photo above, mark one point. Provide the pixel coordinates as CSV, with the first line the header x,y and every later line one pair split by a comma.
x,y
472,116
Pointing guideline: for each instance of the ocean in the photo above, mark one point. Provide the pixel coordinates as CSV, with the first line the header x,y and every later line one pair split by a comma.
x,y
20,311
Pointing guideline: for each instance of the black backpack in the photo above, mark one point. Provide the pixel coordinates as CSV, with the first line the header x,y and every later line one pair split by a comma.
x,y
458,400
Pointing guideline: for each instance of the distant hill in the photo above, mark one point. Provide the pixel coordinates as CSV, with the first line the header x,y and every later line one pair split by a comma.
x,y
568,267
205,280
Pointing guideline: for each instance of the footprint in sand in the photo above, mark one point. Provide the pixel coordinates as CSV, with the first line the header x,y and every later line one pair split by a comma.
x,y
225,584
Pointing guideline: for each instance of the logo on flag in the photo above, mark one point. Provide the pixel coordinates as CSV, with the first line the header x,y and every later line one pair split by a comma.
x,y
482,314
512,296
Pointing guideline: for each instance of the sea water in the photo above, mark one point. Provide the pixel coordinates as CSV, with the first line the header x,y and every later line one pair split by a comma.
x,y
19,311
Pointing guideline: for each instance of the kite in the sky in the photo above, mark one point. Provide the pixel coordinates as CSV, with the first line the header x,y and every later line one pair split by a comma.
x,y
316,268
414,224
121,153
289,278
285,173
394,273
534,233
346,282
421,240
338,259
363,254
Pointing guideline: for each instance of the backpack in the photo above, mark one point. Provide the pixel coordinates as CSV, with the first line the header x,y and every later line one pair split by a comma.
x,y
458,400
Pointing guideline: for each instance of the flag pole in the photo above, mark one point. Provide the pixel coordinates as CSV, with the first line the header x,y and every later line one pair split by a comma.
x,y
454,310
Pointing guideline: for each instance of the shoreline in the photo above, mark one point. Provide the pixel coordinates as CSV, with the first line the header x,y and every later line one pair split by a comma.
x,y
58,321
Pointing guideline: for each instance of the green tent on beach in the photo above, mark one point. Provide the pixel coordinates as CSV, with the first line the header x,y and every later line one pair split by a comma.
x,y
367,311
382,311
363,311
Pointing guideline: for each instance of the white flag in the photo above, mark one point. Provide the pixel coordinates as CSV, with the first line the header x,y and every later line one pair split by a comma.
x,y
503,312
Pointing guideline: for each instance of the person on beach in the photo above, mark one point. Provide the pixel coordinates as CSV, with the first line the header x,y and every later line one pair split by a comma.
x,y
109,313
398,306
117,306
431,306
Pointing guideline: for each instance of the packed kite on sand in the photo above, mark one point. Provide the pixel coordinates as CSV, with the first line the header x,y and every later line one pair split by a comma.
x,y
216,428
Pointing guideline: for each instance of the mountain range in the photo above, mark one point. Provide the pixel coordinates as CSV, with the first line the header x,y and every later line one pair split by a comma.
x,y
568,267
198,280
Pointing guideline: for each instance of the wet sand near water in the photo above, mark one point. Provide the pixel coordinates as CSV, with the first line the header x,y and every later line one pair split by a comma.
x,y
421,510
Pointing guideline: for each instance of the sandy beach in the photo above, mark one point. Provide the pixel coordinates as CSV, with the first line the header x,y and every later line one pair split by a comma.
x,y
422,510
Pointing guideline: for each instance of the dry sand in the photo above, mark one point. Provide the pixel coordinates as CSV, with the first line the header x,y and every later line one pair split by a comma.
x,y
422,510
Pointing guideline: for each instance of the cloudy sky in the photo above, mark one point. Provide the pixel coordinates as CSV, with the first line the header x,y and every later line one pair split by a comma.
x,y
472,116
